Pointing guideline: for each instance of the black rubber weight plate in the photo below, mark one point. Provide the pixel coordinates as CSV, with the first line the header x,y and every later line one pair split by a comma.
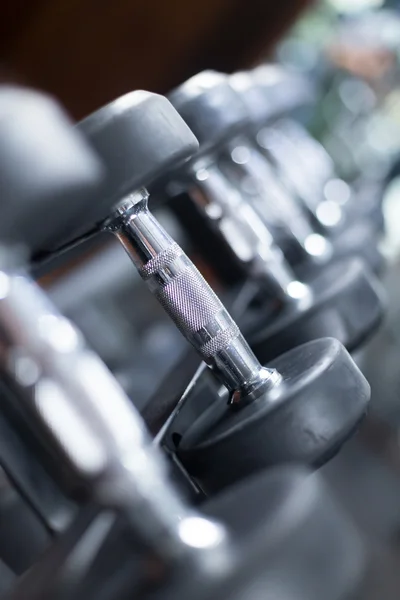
x,y
293,541
347,305
289,539
305,419
138,137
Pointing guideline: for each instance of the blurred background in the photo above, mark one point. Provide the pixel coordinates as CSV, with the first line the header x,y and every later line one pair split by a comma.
x,y
88,52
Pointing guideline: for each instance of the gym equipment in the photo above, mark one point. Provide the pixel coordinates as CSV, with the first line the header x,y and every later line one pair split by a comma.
x,y
301,161
99,440
43,162
342,300
221,121
60,170
105,456
135,127
293,526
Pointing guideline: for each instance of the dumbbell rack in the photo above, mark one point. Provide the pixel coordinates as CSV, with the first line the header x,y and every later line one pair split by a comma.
x,y
109,475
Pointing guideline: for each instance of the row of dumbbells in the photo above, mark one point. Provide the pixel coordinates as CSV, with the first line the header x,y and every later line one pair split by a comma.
x,y
278,533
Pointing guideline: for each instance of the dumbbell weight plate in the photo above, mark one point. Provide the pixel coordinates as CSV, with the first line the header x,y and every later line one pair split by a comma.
x,y
306,418
63,191
212,110
65,194
46,169
114,131
290,542
346,304
315,551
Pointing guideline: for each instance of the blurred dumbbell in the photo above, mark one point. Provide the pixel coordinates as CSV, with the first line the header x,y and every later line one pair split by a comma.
x,y
42,161
60,170
70,398
314,178
98,438
221,121
95,432
265,544
139,138
304,164
293,543
99,441
242,158
342,301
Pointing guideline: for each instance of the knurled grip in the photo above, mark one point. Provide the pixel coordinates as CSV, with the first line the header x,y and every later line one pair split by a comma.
x,y
190,302
187,298
161,261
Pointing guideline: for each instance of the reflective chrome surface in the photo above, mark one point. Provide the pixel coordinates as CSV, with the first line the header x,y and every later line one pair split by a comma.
x,y
307,168
258,183
243,230
188,299
87,417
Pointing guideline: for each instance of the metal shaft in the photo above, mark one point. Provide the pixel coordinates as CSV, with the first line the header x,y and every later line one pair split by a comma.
x,y
189,300
88,420
247,235
286,149
258,182
242,229
285,155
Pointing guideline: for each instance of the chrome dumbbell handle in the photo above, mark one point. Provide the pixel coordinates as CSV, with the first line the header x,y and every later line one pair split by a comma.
x,y
88,419
243,230
247,235
272,201
188,299
287,155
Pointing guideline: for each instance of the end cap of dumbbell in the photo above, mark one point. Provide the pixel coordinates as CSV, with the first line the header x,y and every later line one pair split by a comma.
x,y
284,91
139,137
210,107
46,169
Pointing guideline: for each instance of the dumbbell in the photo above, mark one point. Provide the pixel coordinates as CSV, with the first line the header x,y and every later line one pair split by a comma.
x,y
294,543
327,304
62,387
143,237
64,165
96,434
308,167
102,446
139,137
202,99
229,160
268,84
303,163
60,169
